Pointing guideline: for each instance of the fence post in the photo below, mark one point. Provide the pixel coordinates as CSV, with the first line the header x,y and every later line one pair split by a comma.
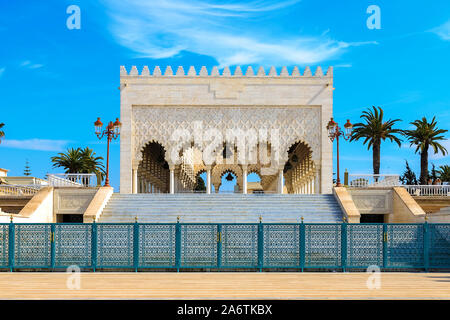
x,y
260,245
426,244
52,245
344,244
219,245
11,237
302,245
178,245
94,245
135,245
385,248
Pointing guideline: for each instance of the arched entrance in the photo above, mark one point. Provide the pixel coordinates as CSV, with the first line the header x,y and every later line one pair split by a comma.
x,y
156,175
299,170
153,170
254,182
228,182
200,182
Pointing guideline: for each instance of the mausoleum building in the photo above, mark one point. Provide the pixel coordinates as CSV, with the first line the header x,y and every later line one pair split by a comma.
x,y
177,125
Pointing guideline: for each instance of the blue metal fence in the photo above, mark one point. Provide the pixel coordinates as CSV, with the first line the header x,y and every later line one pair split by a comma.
x,y
258,246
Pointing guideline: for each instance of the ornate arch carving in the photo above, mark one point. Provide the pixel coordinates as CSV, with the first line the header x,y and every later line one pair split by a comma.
x,y
294,124
220,170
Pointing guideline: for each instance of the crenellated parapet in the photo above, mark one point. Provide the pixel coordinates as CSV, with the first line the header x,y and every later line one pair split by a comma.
x,y
226,72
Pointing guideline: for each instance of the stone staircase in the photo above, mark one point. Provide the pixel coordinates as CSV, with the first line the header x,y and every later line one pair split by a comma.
x,y
221,208
442,216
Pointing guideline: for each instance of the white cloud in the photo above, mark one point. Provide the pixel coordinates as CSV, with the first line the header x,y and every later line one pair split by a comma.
x,y
232,33
28,64
443,31
35,144
36,65
405,98
343,65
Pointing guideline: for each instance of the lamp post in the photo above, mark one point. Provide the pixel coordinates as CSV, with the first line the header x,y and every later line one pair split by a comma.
x,y
334,132
112,131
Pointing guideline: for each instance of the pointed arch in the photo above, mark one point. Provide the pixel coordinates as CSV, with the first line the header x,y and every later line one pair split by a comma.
x,y
299,169
153,169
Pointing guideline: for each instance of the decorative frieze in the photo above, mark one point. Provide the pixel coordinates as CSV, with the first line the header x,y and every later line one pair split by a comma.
x,y
293,124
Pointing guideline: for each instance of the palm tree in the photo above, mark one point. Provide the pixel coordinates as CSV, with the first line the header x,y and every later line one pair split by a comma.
x,y
375,130
444,173
92,163
79,161
2,133
426,135
71,160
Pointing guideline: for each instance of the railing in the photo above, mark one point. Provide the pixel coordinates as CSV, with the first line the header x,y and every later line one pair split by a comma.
x,y
19,190
258,246
373,180
428,190
72,180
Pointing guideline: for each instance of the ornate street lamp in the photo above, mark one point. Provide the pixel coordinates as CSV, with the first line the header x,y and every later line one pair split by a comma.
x,y
112,131
335,132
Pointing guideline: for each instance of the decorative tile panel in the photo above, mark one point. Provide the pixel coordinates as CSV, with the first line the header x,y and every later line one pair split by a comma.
x,y
115,245
4,245
364,245
32,245
439,245
405,245
240,245
199,245
157,245
281,245
323,245
73,245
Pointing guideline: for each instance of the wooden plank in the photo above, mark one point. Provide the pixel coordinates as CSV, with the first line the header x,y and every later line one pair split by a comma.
x,y
153,285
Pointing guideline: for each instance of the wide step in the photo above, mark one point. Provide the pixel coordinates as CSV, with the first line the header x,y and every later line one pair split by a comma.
x,y
221,208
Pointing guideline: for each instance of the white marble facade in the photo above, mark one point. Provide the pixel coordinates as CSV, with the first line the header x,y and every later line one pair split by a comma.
x,y
295,106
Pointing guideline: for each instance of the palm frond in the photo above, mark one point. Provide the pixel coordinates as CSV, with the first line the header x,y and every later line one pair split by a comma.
x,y
79,161
425,135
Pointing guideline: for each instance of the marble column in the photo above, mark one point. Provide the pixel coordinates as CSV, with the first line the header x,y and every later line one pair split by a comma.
x,y
244,179
135,181
280,181
172,180
208,179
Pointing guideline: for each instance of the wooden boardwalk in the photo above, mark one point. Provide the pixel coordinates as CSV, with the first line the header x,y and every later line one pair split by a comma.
x,y
190,285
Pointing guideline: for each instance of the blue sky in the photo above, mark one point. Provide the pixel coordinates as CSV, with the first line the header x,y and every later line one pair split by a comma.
x,y
54,82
